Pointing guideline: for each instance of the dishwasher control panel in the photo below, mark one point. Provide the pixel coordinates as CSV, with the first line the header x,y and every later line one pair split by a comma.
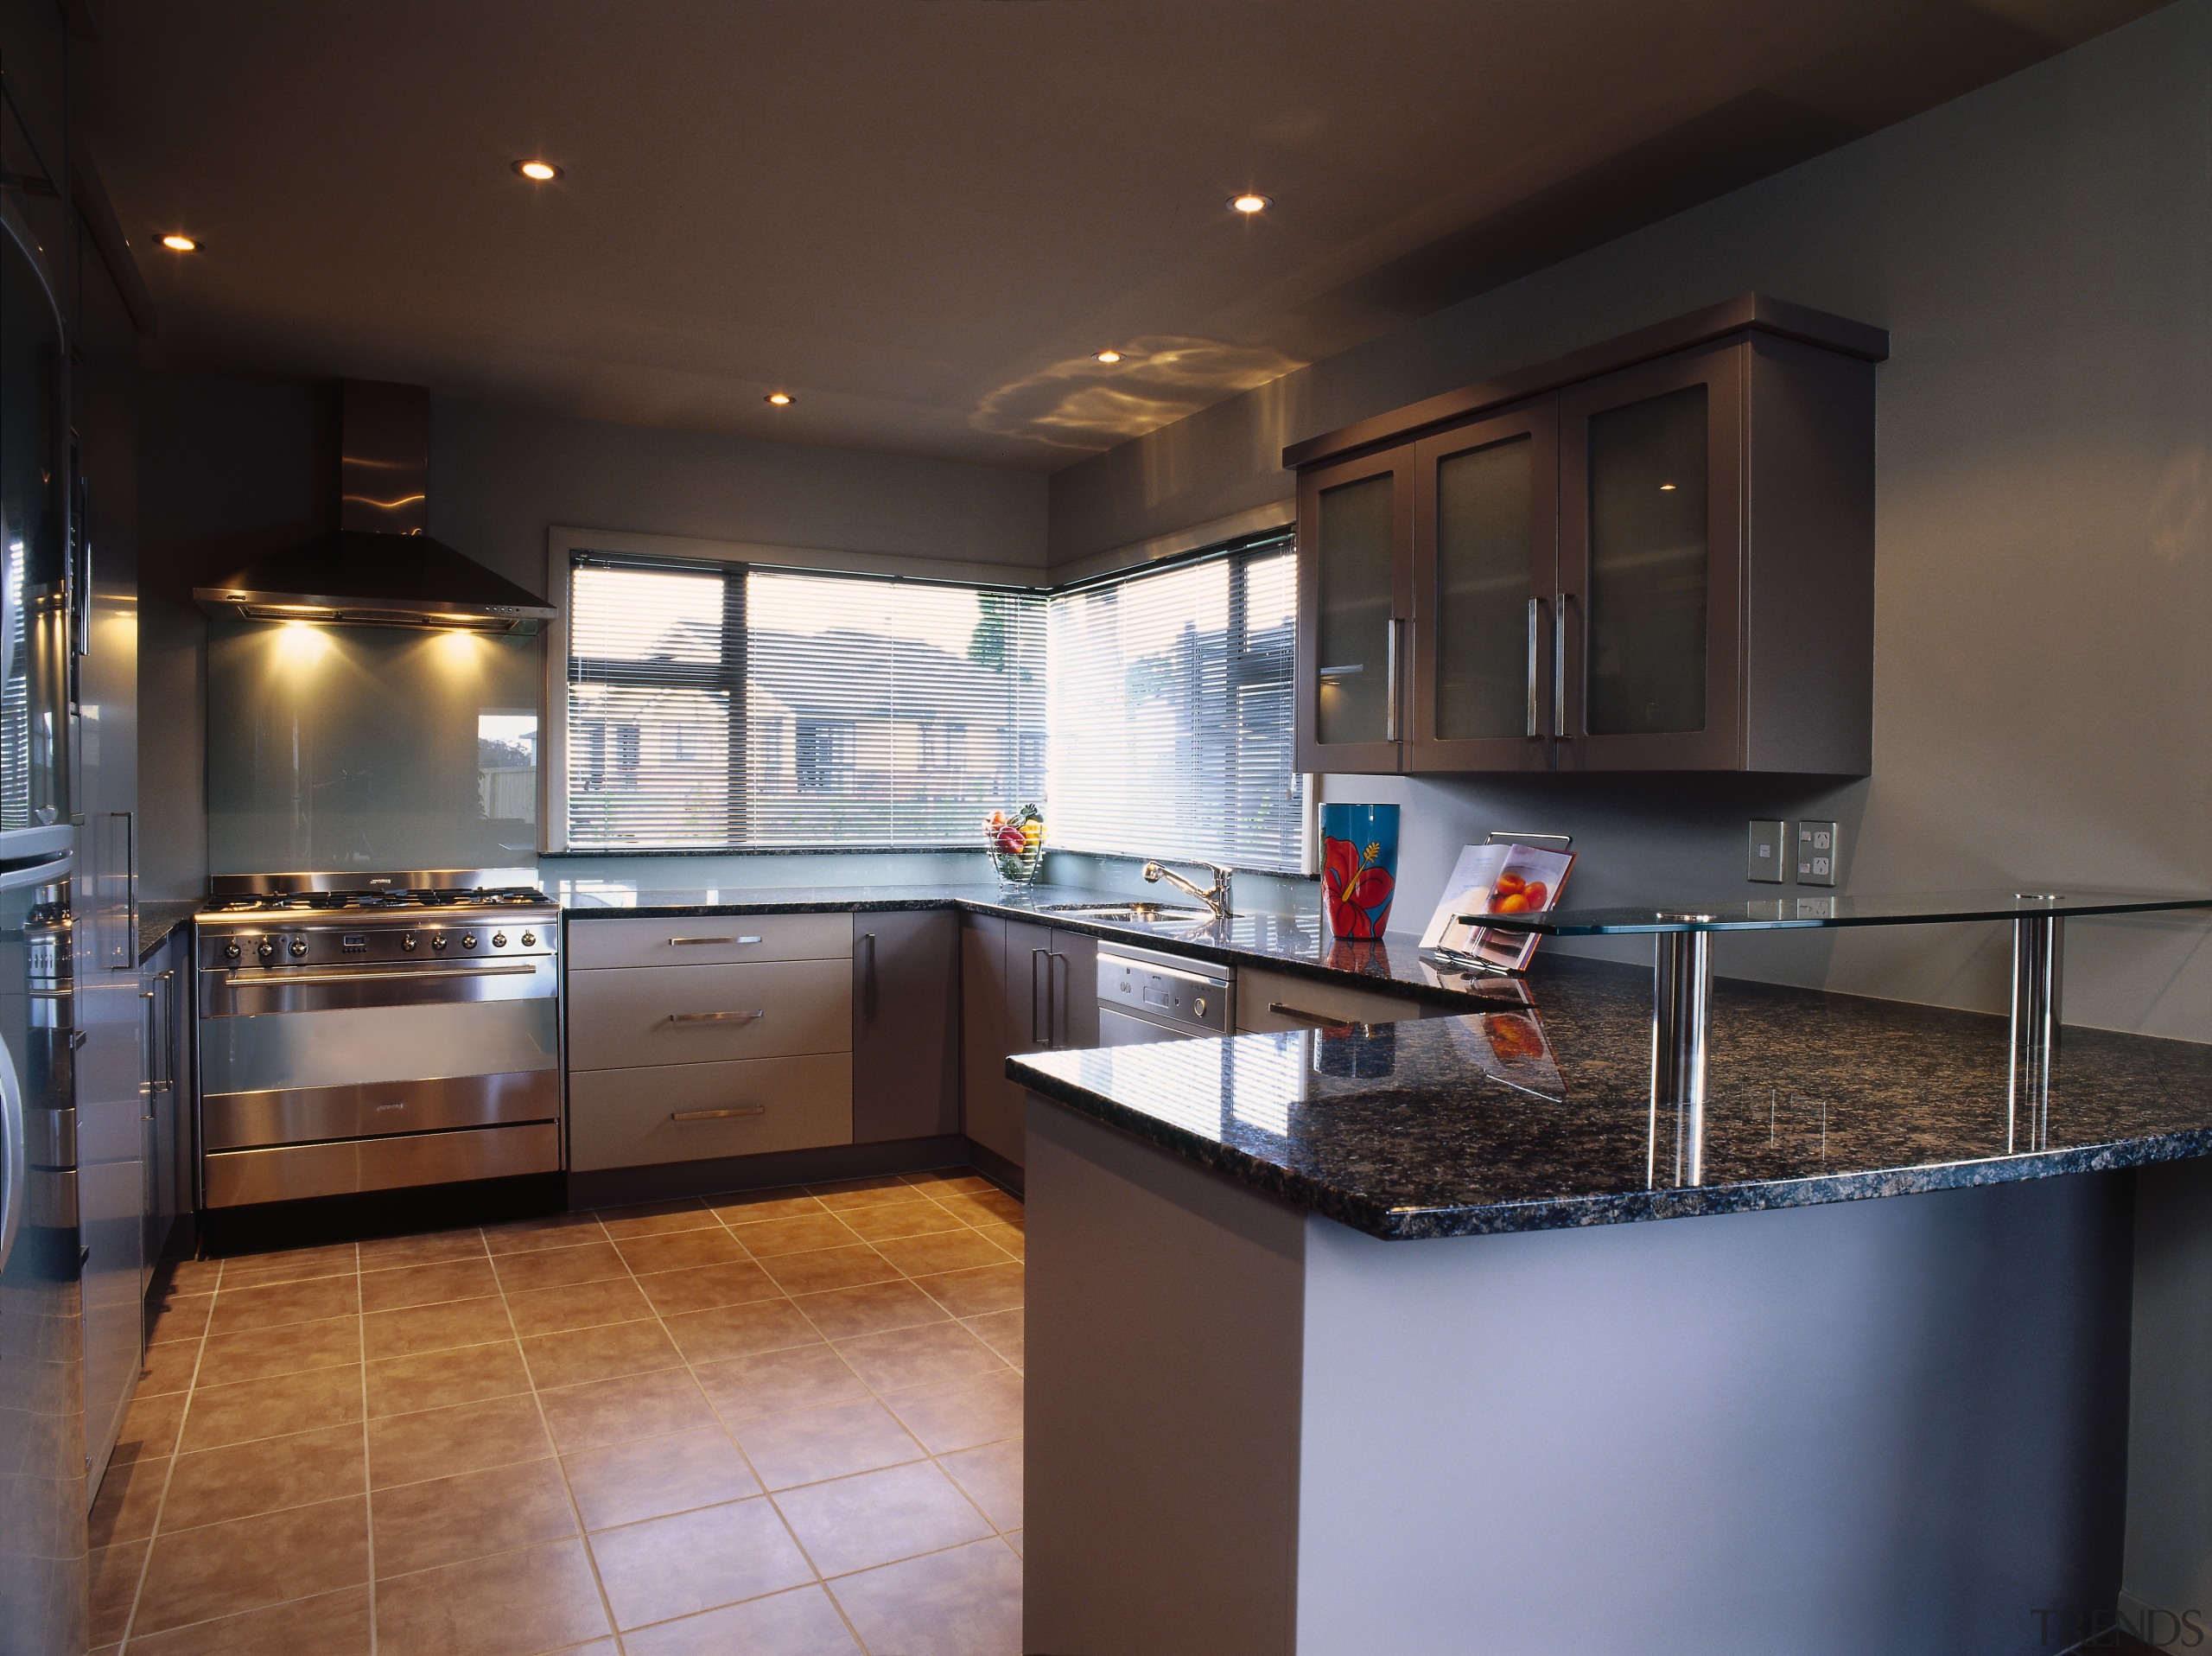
x,y
1183,995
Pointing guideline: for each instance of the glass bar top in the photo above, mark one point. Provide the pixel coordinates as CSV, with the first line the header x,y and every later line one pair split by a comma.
x,y
1802,913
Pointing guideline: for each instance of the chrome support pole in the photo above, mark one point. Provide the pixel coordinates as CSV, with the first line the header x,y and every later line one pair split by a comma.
x,y
2038,972
1681,1026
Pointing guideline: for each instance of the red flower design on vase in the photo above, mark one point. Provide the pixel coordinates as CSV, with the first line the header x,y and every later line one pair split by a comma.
x,y
1358,893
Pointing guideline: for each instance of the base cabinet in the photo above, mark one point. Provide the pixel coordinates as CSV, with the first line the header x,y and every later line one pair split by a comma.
x,y
906,1002
1024,988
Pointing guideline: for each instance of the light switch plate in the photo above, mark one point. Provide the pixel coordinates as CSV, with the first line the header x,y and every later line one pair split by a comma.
x,y
1817,843
1769,847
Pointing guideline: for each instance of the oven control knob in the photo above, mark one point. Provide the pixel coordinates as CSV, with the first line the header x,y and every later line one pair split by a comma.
x,y
498,939
469,940
409,942
267,949
231,950
529,939
299,947
438,940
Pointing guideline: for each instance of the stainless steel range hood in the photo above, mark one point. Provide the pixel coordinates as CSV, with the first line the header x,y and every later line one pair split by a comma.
x,y
379,568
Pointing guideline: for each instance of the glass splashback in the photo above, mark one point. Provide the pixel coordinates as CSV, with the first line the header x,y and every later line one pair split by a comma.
x,y
1358,562
34,591
337,748
1647,596
1483,544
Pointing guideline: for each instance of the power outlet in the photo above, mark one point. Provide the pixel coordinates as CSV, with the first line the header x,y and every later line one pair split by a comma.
x,y
1768,840
1817,845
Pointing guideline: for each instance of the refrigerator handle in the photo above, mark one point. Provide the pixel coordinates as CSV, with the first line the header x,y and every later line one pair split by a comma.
x,y
11,1150
45,871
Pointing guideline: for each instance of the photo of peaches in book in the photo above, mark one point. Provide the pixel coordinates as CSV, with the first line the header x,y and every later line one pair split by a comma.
x,y
1503,879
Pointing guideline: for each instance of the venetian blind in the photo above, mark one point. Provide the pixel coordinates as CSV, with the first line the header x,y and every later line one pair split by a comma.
x,y
1170,710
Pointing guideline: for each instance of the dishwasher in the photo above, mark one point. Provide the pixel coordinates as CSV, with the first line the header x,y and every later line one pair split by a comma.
x,y
1146,996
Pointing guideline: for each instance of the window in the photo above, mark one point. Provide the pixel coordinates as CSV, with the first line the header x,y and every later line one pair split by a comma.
x,y
1170,712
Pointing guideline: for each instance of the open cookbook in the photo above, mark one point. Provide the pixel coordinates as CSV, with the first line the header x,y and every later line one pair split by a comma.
x,y
1502,879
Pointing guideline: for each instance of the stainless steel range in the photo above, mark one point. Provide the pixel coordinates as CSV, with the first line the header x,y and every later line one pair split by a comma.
x,y
372,1032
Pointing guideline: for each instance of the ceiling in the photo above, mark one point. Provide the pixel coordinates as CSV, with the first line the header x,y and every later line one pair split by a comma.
x,y
922,217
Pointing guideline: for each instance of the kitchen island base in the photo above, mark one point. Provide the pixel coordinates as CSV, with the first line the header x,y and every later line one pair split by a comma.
x,y
1896,1424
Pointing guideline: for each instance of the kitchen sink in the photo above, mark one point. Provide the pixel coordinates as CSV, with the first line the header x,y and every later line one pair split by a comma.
x,y
1157,913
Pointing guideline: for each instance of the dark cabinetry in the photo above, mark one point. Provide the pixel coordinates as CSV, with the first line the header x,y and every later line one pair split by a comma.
x,y
906,1078
1655,555
1026,988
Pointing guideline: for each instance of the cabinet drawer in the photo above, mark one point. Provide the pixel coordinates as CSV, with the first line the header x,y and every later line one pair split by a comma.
x,y
629,1016
707,940
1258,993
629,1117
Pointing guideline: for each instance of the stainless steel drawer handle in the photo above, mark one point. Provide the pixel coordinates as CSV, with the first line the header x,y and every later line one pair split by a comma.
x,y
719,1115
403,974
1321,1019
695,942
715,1017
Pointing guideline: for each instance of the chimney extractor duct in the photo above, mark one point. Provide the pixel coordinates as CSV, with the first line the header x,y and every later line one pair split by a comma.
x,y
379,568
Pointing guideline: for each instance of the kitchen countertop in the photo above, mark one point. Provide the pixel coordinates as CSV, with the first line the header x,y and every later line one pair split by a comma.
x,y
1296,943
157,919
1539,1118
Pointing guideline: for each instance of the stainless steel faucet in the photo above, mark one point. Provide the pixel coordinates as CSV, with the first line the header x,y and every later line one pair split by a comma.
x,y
1217,898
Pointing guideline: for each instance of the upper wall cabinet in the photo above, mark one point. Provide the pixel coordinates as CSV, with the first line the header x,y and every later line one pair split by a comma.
x,y
1654,555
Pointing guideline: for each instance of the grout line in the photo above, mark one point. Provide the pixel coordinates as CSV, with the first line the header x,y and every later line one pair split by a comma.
x,y
169,1471
368,1478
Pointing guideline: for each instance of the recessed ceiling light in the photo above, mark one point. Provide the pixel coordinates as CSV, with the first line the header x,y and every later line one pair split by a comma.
x,y
780,399
1250,202
181,243
538,172
1105,356
1666,488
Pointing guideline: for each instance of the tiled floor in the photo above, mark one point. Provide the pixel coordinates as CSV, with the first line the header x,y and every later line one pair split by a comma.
x,y
785,1423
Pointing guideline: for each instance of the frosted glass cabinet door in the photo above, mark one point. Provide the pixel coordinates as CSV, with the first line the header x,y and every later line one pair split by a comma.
x,y
1355,532
1485,573
1651,548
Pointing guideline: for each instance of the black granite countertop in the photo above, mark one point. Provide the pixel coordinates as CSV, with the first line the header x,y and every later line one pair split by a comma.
x,y
1296,943
1538,1116
157,919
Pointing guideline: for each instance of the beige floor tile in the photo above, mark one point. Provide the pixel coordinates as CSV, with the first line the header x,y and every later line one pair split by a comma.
x,y
656,1218
285,1402
947,1181
428,1285
437,1247
549,1231
264,1475
759,1206
438,1380
330,1624
178,1317
681,1250
668,1567
616,1411
801,1233
1007,1238
850,1194
987,1207
705,1287
436,1327
584,1262
130,1495
773,1380
334,1343
906,1358
801,1621
992,1477
111,1583
652,1477
858,1523
149,1429
167,1368
1014,1540
976,1293
598,1354
190,1276
466,1438
225,1569
540,1598
739,1330
551,1310
964,1602
961,1414
832,1440
932,1256
237,1310
920,1217
828,1268
469,1515
294,1265
1005,1333
847,1312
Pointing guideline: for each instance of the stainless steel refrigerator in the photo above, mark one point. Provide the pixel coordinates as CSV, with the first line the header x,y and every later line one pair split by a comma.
x,y
43,1367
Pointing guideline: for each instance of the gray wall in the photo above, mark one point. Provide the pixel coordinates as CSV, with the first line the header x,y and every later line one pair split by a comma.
x,y
232,469
2041,252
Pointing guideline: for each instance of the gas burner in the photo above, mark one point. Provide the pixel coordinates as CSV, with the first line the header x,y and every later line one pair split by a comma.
x,y
437,899
237,905
328,899
514,894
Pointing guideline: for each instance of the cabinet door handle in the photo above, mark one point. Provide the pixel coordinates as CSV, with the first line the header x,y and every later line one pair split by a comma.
x,y
1559,671
1535,625
1390,680
735,1110
867,980
1055,998
1320,1019
715,1017
1036,1039
694,942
